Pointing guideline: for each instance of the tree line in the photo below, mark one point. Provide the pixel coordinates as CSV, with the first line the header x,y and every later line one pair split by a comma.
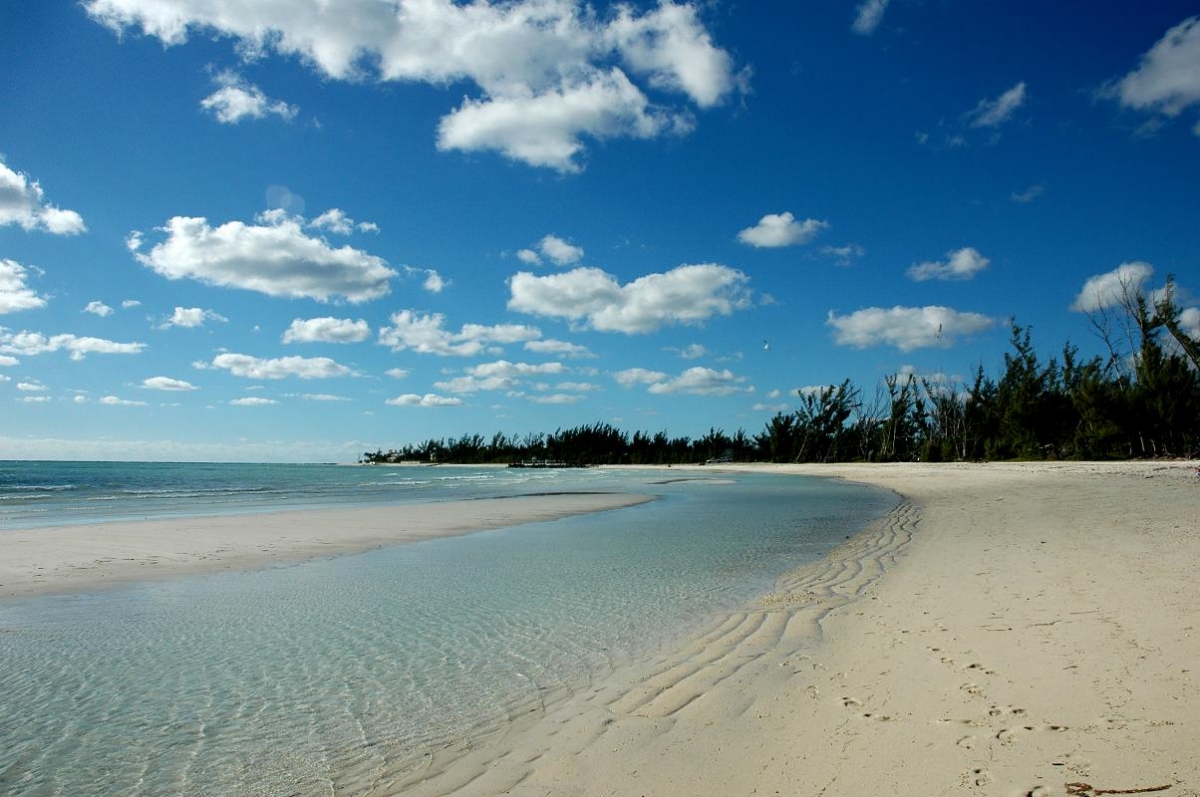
x,y
1141,400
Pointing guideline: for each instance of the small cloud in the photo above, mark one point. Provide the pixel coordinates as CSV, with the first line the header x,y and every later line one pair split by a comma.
x,y
248,367
98,308
252,401
236,99
961,264
694,352
529,257
781,229
327,330
34,399
556,398
115,401
844,255
167,383
1029,194
868,15
398,373
428,400
130,303
992,113
1112,288
335,220
15,293
558,348
906,328
31,387
191,317
1167,81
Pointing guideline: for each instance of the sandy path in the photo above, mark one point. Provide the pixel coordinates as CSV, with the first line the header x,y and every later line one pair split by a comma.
x,y
1009,630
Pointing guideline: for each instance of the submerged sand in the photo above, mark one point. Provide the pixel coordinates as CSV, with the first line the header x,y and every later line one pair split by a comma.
x,y
1008,630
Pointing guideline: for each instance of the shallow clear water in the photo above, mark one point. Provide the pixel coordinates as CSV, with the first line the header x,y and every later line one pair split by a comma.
x,y
297,679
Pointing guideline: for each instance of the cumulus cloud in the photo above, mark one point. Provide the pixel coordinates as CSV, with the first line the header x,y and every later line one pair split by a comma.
x,y
427,400
992,113
548,73
1112,288
432,282
425,334
689,294
1168,78
22,202
335,220
167,383
500,375
327,330
781,229
191,317
235,100
31,387
554,248
273,256
697,381
868,15
96,308
961,264
906,328
15,294
31,343
548,129
280,368
398,373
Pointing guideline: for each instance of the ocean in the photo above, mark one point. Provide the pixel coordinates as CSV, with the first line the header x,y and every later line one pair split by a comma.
x,y
313,678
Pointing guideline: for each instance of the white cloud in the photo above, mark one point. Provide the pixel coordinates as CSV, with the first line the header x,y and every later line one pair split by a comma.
x,y
529,257
547,129
31,387
1113,287
322,397
868,16
98,308
130,303
961,264
432,282
167,383
1168,78
844,255
15,294
236,99
1029,194
303,367
906,328
992,113
8,362
772,408
558,250
424,334
327,330
398,373
578,387
781,229
694,352
499,375
31,343
556,398
252,401
694,381
23,202
115,401
1189,319
273,256
428,400
191,317
34,399
335,220
540,56
559,348
688,294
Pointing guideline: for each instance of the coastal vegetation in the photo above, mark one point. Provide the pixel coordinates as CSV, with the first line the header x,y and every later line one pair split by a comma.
x,y
1141,400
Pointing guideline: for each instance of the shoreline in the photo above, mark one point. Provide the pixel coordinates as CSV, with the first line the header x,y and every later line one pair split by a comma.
x,y
82,558
1009,629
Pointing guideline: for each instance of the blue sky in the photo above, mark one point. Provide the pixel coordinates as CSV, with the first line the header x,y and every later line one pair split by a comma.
x,y
230,231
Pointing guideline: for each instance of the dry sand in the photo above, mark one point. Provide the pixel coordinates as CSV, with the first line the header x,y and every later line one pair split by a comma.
x,y
81,558
1009,630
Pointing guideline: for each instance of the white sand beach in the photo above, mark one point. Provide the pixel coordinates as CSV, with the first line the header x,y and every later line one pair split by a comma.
x,y
1008,629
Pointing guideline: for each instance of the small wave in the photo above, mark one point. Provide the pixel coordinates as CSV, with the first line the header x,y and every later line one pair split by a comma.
x,y
49,488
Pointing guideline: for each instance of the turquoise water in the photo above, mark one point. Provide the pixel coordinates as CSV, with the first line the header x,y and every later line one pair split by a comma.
x,y
306,679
